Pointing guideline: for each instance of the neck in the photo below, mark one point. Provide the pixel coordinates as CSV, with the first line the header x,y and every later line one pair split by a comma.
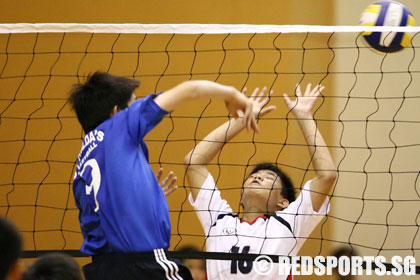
x,y
252,214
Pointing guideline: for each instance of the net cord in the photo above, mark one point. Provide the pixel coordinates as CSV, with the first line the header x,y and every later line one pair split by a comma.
x,y
202,255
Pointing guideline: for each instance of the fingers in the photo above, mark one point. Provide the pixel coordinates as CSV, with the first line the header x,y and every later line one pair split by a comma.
x,y
168,184
248,109
254,125
308,89
297,91
159,174
259,96
169,177
267,97
249,117
171,190
171,187
262,94
317,90
255,93
288,101
267,110
308,92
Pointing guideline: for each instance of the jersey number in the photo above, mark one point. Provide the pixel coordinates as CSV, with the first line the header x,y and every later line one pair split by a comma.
x,y
245,267
95,183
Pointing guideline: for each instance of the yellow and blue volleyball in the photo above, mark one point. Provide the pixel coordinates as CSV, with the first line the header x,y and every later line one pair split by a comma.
x,y
387,13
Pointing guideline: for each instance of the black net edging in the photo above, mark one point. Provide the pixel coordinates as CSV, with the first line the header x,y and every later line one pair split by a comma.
x,y
194,255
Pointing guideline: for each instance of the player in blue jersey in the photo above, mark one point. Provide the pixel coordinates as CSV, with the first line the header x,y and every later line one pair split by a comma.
x,y
124,214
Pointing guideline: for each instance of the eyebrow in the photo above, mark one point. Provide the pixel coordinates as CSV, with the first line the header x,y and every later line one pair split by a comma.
x,y
268,173
272,174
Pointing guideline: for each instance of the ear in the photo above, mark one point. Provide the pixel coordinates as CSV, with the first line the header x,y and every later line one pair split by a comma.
x,y
114,110
282,204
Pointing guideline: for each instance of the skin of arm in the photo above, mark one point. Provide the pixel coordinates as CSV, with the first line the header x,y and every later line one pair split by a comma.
x,y
200,156
325,170
237,103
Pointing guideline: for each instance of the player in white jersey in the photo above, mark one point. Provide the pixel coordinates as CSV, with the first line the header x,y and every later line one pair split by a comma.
x,y
274,222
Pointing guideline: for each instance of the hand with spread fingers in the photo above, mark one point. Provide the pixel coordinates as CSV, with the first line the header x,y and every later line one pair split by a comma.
x,y
241,106
168,184
301,107
260,100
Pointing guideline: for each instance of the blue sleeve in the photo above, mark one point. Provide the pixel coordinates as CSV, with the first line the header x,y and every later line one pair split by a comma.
x,y
143,115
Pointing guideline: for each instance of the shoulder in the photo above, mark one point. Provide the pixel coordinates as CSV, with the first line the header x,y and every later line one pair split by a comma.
x,y
282,221
147,101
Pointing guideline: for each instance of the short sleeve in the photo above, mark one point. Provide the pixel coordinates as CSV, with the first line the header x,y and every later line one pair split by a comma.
x,y
209,204
143,115
301,215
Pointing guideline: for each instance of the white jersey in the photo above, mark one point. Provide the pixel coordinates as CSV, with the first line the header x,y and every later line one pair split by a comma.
x,y
280,234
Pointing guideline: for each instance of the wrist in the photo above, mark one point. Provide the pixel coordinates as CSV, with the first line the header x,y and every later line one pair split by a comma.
x,y
234,127
232,93
237,123
304,116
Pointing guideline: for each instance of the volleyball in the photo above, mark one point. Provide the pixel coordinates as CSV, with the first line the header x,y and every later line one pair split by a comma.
x,y
387,13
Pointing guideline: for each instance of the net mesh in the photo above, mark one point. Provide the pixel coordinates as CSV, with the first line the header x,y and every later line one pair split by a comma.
x,y
368,114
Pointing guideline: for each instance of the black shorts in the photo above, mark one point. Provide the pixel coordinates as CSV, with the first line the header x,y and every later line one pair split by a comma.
x,y
153,265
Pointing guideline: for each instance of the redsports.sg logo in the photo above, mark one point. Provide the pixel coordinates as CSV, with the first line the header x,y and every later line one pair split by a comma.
x,y
319,265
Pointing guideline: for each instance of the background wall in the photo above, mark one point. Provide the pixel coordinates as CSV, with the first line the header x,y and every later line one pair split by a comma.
x,y
251,12
182,11
384,215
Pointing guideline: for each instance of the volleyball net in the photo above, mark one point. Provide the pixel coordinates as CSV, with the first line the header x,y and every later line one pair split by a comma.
x,y
368,113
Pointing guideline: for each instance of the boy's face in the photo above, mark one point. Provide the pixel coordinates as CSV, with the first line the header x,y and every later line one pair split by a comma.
x,y
262,192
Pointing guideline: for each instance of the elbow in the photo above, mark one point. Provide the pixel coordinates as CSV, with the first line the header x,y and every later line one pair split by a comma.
x,y
190,160
194,161
329,176
187,159
190,89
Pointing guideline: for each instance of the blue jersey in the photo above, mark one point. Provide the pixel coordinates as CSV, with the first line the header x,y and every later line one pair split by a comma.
x,y
122,207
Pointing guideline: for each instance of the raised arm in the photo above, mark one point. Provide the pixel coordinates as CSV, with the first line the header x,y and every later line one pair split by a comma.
x,y
322,162
236,102
200,156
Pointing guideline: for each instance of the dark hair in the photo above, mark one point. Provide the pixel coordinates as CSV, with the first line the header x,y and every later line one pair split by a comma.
x,y
54,266
288,190
94,100
10,246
